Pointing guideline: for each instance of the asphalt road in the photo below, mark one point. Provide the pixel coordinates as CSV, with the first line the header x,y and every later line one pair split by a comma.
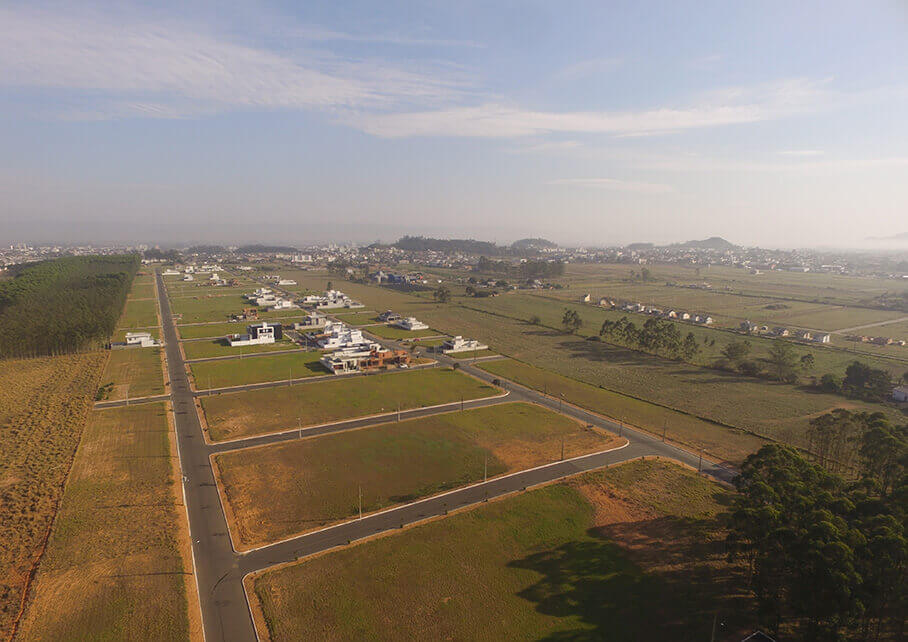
x,y
220,569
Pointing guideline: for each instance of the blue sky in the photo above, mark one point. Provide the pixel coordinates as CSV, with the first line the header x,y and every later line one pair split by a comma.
x,y
772,123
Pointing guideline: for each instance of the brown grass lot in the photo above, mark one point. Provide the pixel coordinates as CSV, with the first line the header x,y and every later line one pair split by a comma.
x,y
273,492
136,372
43,407
113,568
634,552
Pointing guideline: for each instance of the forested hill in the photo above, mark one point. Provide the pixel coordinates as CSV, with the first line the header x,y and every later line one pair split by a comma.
x,y
63,305
467,246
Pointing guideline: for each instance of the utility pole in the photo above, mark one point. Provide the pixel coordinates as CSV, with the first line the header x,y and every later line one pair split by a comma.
x,y
299,423
127,394
485,469
561,402
700,464
461,403
360,501
663,431
562,447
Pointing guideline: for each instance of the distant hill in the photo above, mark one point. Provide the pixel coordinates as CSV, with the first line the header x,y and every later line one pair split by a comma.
x,y
712,243
533,244
468,246
266,249
640,246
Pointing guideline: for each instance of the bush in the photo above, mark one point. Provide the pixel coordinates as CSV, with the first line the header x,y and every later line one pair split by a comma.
x,y
829,383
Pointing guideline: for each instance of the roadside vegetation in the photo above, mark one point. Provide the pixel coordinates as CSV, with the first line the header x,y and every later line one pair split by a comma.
x,y
63,305
242,414
634,552
277,490
113,567
44,403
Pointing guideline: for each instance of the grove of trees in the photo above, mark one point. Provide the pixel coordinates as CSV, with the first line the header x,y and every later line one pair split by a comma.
x,y
657,336
63,305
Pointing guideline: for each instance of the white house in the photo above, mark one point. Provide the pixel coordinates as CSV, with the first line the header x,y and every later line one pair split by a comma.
x,y
459,344
256,334
822,338
171,272
310,322
286,282
586,298
189,277
900,393
410,323
140,339
350,358
282,304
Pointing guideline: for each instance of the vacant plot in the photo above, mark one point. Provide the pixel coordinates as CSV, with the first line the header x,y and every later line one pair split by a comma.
x,y
391,332
220,348
278,367
132,372
472,354
43,406
780,411
193,309
142,313
360,318
719,441
113,568
275,491
631,553
211,330
241,414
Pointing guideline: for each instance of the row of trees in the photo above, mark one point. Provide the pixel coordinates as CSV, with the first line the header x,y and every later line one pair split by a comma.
x,y
827,556
63,305
656,336
781,363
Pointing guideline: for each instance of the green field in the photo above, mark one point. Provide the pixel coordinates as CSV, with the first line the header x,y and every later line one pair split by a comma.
x,y
206,330
142,291
112,568
133,372
390,332
556,563
241,414
204,307
718,441
362,318
220,348
139,314
775,410
234,372
275,491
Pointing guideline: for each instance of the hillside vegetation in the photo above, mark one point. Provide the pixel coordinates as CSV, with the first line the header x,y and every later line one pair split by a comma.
x,y
63,305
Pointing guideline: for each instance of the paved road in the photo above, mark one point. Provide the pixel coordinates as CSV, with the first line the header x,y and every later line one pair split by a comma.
x,y
869,325
220,570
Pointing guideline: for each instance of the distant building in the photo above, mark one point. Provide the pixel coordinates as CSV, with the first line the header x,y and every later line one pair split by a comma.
x,y
140,339
257,334
585,298
310,322
388,315
365,356
410,323
286,282
780,331
822,338
900,393
459,344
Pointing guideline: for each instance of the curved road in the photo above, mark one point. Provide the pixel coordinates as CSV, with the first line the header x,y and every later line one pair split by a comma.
x,y
220,569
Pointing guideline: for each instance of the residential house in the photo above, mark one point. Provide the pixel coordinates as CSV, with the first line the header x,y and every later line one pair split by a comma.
x,y
410,323
459,344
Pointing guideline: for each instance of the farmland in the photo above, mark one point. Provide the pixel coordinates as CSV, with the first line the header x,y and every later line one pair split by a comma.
x,y
275,491
113,567
237,372
133,372
43,407
630,553
220,348
242,414
722,442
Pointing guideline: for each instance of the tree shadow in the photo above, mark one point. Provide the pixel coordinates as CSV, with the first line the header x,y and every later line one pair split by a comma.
x,y
667,579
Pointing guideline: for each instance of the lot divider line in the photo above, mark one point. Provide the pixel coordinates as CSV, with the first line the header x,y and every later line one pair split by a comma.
x,y
430,410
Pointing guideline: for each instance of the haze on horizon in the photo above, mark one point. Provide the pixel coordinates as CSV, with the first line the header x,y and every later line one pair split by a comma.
x,y
773,124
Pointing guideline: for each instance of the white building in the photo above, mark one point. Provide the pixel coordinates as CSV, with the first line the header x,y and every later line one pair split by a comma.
x,y
140,339
286,282
283,304
410,323
331,299
256,335
310,322
350,358
900,393
338,336
171,272
459,344
822,338
189,277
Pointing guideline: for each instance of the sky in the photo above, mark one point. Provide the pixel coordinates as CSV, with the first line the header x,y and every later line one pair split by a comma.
x,y
780,124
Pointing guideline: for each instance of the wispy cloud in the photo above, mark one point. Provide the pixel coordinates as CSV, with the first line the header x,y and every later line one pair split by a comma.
x,y
178,70
730,106
615,185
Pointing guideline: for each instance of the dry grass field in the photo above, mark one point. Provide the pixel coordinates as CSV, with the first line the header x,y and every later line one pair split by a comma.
x,y
241,414
113,569
43,407
724,443
133,372
634,552
276,491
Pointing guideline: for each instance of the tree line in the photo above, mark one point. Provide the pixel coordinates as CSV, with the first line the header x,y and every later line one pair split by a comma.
x,y
63,305
529,269
657,336
826,552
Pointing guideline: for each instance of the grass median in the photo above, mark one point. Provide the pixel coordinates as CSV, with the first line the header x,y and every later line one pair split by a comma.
x,y
243,414
275,491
